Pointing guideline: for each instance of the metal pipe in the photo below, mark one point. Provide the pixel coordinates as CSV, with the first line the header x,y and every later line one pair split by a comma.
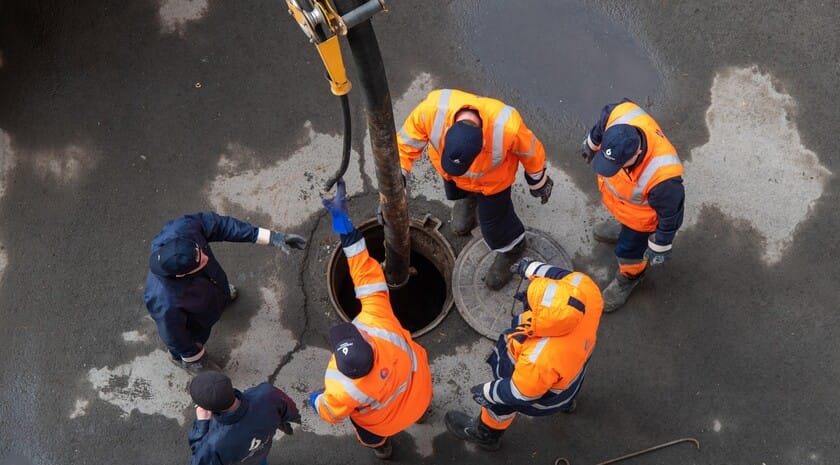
x,y
380,117
362,13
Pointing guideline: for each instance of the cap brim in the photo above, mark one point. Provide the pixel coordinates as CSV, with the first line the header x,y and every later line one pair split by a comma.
x,y
154,265
603,166
453,169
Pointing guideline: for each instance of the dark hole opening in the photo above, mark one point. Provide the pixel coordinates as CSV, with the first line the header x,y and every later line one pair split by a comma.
x,y
416,305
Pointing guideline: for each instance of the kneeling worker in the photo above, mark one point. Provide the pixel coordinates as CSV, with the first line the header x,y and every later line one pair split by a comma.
x,y
539,363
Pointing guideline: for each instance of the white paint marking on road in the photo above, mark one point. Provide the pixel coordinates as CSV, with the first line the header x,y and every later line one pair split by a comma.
x,y
287,191
717,426
80,409
303,375
150,384
134,336
175,14
65,166
7,161
754,167
264,345
452,378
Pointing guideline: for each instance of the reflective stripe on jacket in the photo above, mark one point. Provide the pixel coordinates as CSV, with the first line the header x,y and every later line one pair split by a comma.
x,y
507,141
626,194
533,367
398,389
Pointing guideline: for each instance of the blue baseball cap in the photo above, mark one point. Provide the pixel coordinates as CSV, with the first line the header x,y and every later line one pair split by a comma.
x,y
353,354
173,257
463,142
619,144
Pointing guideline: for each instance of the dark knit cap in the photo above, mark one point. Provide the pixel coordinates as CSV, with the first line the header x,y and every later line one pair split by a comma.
x,y
212,390
353,354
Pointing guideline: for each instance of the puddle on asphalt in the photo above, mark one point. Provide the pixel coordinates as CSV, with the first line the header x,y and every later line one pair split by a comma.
x,y
559,56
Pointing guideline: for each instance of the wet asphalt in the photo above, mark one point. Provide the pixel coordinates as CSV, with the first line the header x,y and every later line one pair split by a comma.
x,y
722,347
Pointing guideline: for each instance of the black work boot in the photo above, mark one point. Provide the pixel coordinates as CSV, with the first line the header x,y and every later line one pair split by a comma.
x,y
463,215
198,366
499,273
607,231
619,289
472,429
384,451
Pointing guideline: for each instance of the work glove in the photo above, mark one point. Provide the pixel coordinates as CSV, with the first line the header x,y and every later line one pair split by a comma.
x,y
286,428
588,154
521,267
657,255
338,209
314,397
477,392
544,192
286,242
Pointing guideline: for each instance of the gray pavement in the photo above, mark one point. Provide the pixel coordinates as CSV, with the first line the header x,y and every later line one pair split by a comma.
x,y
115,117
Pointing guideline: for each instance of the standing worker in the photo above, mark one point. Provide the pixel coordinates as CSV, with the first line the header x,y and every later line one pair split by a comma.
x,y
187,289
540,361
377,376
476,144
640,179
233,427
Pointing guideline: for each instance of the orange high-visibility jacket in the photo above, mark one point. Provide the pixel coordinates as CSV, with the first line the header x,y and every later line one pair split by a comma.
x,y
626,194
398,389
507,141
552,356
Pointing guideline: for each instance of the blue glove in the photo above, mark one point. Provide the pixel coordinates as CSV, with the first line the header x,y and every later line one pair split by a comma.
x,y
314,398
338,209
478,395
657,255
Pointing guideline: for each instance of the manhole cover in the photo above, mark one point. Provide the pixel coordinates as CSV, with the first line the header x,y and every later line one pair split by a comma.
x,y
489,312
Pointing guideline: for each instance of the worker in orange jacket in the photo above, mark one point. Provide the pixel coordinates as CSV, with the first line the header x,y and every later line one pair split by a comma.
x,y
377,376
476,144
540,361
640,179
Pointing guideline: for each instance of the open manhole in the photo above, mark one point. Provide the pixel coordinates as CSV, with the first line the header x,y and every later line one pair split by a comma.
x,y
490,312
421,304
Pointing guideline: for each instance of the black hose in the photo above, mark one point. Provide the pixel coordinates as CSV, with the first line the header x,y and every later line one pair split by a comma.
x,y
345,154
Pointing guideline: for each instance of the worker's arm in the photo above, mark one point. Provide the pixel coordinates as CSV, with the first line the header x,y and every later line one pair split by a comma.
x,y
202,451
668,200
413,136
171,323
596,134
339,398
527,384
368,277
216,228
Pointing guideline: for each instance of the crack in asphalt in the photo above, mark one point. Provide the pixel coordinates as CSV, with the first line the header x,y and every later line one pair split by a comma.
x,y
299,344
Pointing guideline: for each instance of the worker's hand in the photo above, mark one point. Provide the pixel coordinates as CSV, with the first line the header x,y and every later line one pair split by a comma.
x,y
657,255
544,192
477,392
286,428
338,209
314,398
520,268
588,154
286,242
202,413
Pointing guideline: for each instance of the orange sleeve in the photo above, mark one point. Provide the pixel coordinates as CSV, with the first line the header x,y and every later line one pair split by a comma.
x,y
413,137
528,148
368,281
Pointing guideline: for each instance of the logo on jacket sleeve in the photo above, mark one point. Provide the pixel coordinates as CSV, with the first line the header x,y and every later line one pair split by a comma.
x,y
383,373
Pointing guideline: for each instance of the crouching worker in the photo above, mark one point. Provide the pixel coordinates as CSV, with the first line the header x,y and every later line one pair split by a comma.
x,y
539,363
377,376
